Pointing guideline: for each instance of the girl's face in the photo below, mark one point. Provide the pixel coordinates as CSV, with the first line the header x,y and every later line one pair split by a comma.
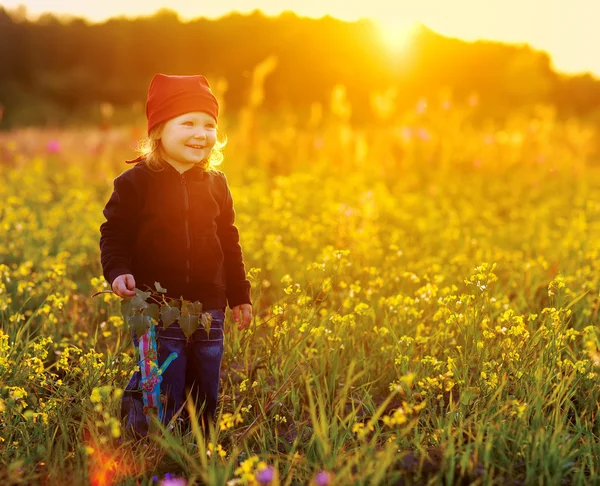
x,y
188,139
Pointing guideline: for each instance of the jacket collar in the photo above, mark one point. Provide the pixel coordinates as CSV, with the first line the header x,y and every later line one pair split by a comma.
x,y
195,173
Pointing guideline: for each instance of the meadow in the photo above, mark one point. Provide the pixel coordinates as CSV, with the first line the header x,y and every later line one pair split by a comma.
x,y
425,288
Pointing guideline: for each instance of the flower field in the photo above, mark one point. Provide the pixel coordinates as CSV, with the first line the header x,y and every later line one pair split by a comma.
x,y
426,297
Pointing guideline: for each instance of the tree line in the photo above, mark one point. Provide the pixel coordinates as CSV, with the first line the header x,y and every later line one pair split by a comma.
x,y
56,66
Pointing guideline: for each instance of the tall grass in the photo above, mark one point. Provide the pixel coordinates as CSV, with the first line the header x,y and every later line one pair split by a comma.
x,y
425,298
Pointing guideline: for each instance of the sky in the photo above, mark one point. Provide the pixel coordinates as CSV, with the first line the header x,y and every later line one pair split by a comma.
x,y
568,30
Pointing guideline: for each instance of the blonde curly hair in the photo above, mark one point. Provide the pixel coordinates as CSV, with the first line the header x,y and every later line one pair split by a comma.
x,y
148,148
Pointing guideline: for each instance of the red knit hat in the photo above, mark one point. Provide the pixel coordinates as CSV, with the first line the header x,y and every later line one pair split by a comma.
x,y
171,96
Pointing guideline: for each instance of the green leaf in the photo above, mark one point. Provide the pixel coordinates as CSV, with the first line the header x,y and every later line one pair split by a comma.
x,y
189,323
577,299
142,295
466,397
152,311
187,307
126,309
206,322
138,303
191,307
139,324
160,289
169,315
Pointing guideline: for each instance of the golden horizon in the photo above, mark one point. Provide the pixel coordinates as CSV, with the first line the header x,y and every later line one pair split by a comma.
x,y
564,32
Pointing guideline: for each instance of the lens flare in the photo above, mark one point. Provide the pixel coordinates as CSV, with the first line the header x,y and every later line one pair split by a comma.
x,y
107,467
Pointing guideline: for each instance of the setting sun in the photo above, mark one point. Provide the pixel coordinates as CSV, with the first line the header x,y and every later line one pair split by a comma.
x,y
396,35
565,30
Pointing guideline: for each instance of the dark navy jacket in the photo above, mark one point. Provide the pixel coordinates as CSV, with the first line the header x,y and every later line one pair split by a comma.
x,y
178,230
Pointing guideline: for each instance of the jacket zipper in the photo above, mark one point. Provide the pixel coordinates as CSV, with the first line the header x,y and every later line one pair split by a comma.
x,y
186,209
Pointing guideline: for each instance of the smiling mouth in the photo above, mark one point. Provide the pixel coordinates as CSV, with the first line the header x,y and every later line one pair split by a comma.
x,y
197,146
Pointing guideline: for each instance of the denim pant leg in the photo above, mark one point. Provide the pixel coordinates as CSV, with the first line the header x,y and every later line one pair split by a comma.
x,y
172,386
205,353
132,408
132,404
197,367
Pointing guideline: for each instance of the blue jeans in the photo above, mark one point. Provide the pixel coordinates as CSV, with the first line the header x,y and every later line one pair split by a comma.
x,y
196,369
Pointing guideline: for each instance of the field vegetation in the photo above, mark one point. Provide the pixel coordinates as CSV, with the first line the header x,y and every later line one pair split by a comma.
x,y
426,296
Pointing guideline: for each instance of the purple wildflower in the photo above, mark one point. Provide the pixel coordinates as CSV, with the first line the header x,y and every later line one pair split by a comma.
x,y
323,478
265,476
53,147
172,480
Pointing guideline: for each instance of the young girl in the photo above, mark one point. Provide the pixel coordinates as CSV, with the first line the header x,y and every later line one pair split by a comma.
x,y
170,220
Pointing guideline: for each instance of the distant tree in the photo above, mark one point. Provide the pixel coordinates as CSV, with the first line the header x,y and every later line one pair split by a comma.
x,y
69,65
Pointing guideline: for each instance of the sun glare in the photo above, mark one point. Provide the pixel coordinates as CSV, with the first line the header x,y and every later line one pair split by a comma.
x,y
396,36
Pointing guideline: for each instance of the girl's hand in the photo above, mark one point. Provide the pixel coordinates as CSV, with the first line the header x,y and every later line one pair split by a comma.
x,y
246,315
123,286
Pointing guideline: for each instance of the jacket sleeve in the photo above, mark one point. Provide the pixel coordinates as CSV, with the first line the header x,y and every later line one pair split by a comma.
x,y
117,233
238,286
